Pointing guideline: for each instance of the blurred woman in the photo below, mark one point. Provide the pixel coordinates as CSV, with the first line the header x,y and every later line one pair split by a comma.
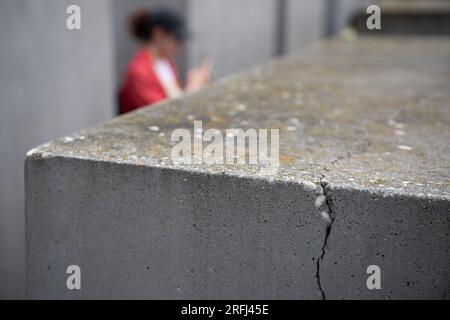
x,y
152,75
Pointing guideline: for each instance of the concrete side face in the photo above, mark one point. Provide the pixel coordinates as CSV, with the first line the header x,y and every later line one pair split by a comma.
x,y
408,238
138,232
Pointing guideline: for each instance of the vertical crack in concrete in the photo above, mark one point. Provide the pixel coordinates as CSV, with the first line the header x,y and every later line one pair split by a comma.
x,y
324,205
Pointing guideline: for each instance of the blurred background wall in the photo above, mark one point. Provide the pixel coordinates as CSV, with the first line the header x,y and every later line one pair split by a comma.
x,y
235,34
54,81
305,15
238,34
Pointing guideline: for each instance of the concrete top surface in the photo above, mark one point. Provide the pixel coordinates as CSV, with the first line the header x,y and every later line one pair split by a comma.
x,y
362,113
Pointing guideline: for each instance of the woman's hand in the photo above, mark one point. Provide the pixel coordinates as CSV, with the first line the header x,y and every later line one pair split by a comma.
x,y
197,78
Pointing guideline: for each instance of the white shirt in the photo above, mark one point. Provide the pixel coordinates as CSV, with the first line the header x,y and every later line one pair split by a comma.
x,y
167,77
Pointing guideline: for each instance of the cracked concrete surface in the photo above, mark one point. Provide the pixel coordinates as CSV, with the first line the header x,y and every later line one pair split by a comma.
x,y
364,180
325,207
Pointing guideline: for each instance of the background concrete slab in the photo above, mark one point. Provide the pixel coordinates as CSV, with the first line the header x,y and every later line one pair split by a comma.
x,y
52,81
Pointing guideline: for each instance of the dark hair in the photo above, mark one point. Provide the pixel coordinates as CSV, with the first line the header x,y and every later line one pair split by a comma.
x,y
143,23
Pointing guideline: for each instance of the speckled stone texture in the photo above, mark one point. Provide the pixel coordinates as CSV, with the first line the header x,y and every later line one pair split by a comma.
x,y
363,122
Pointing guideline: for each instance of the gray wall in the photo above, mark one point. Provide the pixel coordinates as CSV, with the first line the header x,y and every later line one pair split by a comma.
x,y
52,82
235,34
304,23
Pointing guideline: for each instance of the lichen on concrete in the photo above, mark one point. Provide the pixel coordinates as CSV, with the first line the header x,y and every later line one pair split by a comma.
x,y
370,114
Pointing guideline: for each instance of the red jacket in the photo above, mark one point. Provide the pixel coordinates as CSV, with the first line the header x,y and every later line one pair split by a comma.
x,y
141,86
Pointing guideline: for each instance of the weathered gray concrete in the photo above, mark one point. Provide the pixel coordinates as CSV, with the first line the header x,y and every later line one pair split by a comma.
x,y
52,81
140,232
363,121
407,237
